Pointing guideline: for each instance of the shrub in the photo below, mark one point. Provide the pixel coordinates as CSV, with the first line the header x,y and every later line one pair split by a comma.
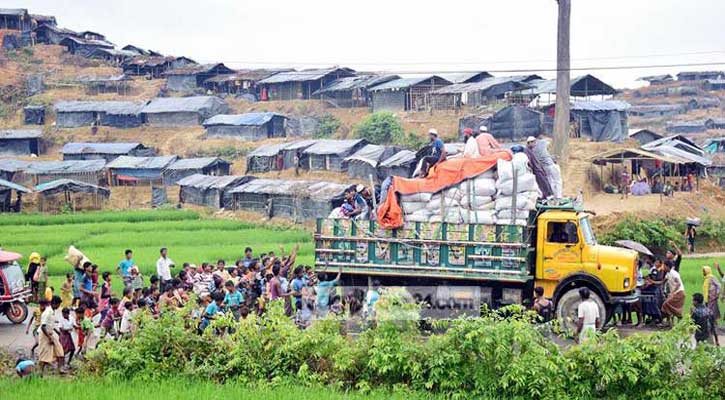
x,y
657,233
224,151
380,128
327,127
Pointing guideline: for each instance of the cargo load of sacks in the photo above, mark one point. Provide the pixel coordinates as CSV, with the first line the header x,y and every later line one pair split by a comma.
x,y
471,201
515,197
487,199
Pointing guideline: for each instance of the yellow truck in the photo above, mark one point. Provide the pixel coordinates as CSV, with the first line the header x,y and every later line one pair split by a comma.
x,y
462,266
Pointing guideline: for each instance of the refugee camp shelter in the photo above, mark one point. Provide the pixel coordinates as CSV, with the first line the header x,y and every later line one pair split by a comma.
x,y
714,84
363,164
210,191
406,93
478,93
401,163
8,202
15,19
293,154
84,47
77,195
656,110
37,172
113,56
154,66
249,126
702,103
465,77
352,91
141,51
240,82
119,114
104,151
299,85
47,33
601,121
644,136
679,146
128,170
20,141
587,87
515,123
656,79
300,200
715,123
190,77
181,168
182,111
11,169
715,150
265,158
686,126
329,154
34,115
119,84
699,75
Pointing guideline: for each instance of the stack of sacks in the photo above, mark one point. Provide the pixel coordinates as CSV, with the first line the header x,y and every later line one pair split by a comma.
x,y
415,207
527,191
477,206
445,206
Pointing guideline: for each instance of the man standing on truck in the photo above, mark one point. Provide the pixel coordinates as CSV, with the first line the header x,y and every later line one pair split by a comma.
x,y
437,153
589,318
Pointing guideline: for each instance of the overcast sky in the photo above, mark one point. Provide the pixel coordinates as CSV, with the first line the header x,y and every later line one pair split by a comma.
x,y
400,36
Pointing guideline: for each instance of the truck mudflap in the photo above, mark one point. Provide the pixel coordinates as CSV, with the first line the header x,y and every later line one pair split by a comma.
x,y
626,299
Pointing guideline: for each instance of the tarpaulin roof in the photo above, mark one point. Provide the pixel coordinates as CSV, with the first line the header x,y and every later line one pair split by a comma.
x,y
677,141
13,165
605,105
461,77
404,83
182,104
70,185
326,190
300,144
21,134
195,163
330,146
272,186
109,107
304,75
586,85
253,119
655,78
445,174
103,79
644,108
619,155
13,11
88,42
400,158
246,75
356,82
372,154
99,148
64,167
206,182
113,52
267,150
128,162
200,69
13,186
483,85
670,150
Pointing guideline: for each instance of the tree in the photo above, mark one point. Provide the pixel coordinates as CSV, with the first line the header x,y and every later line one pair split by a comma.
x,y
380,128
327,127
561,118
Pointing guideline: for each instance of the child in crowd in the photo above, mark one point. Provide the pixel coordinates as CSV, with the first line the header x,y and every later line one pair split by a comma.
x,y
109,324
94,276
103,304
136,282
66,291
233,299
126,327
127,298
41,276
65,328
34,324
24,367
211,311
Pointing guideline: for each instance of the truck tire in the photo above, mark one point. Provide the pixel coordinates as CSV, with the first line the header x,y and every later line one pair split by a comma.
x,y
568,304
17,312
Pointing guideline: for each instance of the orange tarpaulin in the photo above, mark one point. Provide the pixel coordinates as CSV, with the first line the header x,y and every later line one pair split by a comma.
x,y
448,173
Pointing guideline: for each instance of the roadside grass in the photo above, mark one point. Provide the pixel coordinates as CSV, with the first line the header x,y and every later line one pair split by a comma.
x,y
691,273
61,389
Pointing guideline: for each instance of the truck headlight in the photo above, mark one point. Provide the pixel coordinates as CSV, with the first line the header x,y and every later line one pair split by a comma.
x,y
626,282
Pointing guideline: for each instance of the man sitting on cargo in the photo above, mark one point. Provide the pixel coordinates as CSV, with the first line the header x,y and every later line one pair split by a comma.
x,y
470,150
437,153
360,206
487,144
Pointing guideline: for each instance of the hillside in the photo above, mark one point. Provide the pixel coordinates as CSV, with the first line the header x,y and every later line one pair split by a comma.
x,y
60,71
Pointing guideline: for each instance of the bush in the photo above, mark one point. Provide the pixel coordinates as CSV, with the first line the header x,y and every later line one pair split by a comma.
x,y
224,152
656,233
380,128
488,357
327,127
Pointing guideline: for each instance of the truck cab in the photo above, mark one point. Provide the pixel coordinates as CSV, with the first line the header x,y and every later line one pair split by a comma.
x,y
568,257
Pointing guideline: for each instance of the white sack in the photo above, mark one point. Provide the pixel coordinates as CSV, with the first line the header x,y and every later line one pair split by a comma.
x,y
475,201
422,197
452,216
525,200
504,168
507,213
479,186
525,183
479,217
412,206
419,216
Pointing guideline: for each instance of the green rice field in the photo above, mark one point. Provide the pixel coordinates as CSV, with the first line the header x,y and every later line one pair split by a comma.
x,y
190,237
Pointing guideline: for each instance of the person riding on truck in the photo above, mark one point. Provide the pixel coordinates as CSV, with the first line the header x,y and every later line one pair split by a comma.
x,y
438,153
487,144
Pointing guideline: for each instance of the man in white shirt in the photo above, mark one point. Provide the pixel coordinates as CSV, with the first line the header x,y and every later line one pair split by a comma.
x,y
589,318
470,149
673,305
163,269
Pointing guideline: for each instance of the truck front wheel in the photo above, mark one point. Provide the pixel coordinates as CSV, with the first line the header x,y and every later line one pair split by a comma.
x,y
568,305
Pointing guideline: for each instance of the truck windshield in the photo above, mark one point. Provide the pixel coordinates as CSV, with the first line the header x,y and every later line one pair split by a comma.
x,y
587,232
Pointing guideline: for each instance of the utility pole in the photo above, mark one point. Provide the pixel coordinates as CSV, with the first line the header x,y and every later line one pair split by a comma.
x,y
561,118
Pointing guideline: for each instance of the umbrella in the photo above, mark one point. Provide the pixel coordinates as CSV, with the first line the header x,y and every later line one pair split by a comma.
x,y
636,246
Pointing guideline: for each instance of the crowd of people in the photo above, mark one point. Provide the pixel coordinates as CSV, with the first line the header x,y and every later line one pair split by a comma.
x,y
87,311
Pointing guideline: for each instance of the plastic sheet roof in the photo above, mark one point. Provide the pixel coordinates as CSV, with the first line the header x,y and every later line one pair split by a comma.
x,y
400,158
655,78
206,182
606,105
657,107
64,167
483,85
300,144
200,69
248,119
13,186
330,146
313,189
182,104
99,148
13,165
461,77
63,185
370,154
128,162
404,83
590,83
246,75
109,107
195,163
13,11
356,82
304,75
267,150
21,134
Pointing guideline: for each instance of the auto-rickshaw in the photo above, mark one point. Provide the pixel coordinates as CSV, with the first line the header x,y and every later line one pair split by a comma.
x,y
13,292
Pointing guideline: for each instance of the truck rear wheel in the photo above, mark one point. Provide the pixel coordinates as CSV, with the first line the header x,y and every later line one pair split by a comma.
x,y
567,307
